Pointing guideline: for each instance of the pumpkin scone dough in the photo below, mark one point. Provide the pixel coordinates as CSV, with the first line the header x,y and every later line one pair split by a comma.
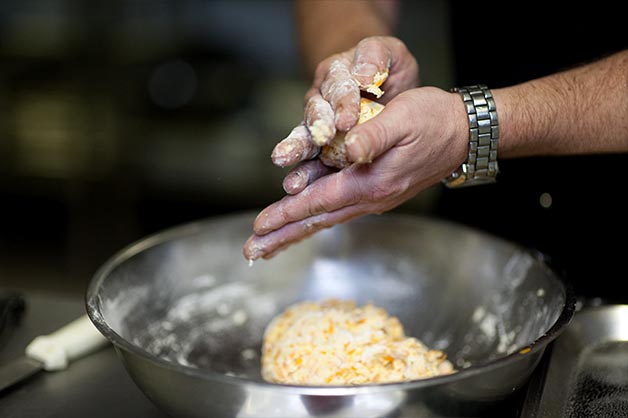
x,y
335,342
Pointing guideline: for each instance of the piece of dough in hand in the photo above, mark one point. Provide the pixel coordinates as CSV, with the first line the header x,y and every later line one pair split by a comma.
x,y
334,154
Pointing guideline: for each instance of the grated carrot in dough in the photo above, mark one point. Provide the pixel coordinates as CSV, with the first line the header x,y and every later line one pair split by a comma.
x,y
335,342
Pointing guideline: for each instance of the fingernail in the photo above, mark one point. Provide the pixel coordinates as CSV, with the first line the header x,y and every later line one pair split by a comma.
x,y
260,225
285,153
280,160
364,69
261,230
252,250
295,182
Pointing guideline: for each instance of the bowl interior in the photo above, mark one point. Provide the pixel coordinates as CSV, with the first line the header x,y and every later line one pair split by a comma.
x,y
188,296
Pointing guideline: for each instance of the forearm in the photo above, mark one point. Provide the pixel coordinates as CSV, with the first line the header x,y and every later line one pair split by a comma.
x,y
330,26
579,111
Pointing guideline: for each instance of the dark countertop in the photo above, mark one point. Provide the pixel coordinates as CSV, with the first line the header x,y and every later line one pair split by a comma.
x,y
94,386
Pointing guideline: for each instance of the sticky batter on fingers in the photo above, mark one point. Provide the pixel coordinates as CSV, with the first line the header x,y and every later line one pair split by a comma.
x,y
341,90
294,148
268,245
319,120
338,81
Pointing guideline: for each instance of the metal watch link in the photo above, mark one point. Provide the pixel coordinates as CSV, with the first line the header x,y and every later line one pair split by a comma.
x,y
481,165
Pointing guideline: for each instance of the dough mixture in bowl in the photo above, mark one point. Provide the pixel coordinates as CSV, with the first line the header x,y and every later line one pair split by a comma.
x,y
335,342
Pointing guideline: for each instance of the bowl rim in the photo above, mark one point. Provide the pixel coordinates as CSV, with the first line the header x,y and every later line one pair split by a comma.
x,y
186,229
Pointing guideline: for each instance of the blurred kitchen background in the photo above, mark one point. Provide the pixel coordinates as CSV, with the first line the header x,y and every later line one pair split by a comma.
x,y
119,118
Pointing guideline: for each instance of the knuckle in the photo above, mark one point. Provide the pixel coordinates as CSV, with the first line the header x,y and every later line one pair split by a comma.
x,y
353,185
369,40
317,207
313,91
365,41
388,190
323,67
380,192
398,43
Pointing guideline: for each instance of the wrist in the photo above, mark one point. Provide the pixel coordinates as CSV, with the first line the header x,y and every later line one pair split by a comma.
x,y
482,135
525,119
512,113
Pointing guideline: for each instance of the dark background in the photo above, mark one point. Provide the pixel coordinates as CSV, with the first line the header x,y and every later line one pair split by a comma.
x,y
124,117
119,118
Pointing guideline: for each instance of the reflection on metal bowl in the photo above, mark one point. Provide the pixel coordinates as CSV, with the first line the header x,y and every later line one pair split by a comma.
x,y
187,314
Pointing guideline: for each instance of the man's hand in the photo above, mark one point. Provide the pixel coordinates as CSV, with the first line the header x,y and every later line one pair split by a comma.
x,y
375,65
418,139
333,102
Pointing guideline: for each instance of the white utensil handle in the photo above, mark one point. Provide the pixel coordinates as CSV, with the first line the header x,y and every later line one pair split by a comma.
x,y
76,339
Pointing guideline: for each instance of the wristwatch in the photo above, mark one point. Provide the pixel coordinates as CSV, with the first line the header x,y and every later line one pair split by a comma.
x,y
481,165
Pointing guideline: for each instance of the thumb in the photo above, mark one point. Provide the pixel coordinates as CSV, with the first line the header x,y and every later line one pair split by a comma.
x,y
370,139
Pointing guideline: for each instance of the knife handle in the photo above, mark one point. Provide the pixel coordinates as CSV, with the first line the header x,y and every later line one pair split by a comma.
x,y
76,339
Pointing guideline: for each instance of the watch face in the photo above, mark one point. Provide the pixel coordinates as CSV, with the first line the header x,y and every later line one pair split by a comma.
x,y
457,178
461,180
453,181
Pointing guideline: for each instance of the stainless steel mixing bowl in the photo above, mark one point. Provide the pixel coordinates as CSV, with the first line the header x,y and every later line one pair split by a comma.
x,y
186,314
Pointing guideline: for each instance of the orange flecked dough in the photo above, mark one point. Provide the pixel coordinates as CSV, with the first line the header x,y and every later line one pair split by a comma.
x,y
335,342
